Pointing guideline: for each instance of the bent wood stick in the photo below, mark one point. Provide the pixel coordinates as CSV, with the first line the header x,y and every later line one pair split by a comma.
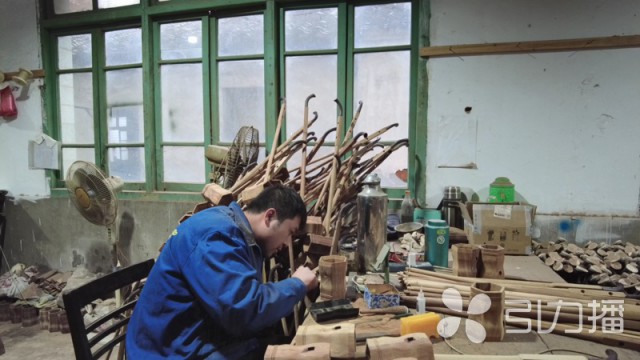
x,y
305,126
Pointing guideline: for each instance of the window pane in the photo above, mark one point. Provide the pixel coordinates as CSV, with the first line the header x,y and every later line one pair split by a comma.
x,y
76,108
103,4
124,106
242,35
71,6
382,84
181,40
70,155
123,47
184,164
299,86
74,51
387,170
182,114
241,97
127,163
315,29
383,25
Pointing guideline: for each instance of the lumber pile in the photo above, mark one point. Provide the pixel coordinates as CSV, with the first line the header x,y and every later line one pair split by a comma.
x,y
614,265
326,182
561,308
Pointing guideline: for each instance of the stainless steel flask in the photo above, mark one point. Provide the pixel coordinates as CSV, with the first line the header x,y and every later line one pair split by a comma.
x,y
372,223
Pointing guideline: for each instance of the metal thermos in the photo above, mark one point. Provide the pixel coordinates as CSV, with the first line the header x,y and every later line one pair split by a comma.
x,y
372,223
452,195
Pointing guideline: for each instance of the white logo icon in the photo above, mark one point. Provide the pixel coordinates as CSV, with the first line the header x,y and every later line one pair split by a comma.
x,y
448,326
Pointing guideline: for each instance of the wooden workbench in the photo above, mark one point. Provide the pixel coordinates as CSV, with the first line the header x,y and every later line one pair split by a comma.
x,y
518,267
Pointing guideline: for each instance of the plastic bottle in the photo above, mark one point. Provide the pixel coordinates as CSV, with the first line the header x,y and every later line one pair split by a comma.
x,y
406,208
421,302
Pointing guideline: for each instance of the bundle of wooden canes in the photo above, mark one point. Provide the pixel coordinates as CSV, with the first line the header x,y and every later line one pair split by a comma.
x,y
567,309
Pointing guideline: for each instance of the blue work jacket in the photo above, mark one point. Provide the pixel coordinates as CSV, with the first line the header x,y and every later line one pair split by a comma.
x,y
204,297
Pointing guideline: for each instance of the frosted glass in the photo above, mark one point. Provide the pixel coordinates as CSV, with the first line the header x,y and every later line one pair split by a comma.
x,y
381,82
243,35
74,51
104,4
382,25
71,6
124,106
313,29
299,85
123,47
181,40
184,164
76,108
127,163
182,114
241,98
70,155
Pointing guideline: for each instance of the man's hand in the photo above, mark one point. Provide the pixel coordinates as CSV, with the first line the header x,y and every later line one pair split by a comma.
x,y
307,276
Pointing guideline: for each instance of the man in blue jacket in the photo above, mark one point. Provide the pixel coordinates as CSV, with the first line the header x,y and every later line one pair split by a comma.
x,y
204,297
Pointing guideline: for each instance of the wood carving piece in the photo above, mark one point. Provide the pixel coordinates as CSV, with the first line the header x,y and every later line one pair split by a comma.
x,y
415,345
314,351
466,258
493,319
341,336
492,262
333,270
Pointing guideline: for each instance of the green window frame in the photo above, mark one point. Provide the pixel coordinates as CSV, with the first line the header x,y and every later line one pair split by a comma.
x,y
149,15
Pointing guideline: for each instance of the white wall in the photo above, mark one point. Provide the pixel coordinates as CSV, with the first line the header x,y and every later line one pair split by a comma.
x,y
20,48
562,126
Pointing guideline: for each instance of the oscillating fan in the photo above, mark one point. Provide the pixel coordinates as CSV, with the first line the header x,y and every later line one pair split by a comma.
x,y
231,162
94,195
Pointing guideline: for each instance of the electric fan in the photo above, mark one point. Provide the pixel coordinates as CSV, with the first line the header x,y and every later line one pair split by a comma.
x,y
94,195
231,162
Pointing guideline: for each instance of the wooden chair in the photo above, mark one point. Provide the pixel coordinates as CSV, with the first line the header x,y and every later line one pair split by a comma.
x,y
127,280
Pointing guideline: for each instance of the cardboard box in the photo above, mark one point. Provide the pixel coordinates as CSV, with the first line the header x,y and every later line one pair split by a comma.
x,y
505,224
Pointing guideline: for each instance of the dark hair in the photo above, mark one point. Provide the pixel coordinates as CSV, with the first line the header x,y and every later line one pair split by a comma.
x,y
285,200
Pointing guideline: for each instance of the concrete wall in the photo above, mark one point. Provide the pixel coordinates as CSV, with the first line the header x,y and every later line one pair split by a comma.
x,y
563,126
52,234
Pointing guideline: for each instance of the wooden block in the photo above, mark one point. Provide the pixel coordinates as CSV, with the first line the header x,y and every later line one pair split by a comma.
x,y
416,345
247,195
313,351
314,225
217,195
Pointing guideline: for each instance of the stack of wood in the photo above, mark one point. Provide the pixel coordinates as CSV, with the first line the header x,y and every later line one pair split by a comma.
x,y
595,263
562,308
325,182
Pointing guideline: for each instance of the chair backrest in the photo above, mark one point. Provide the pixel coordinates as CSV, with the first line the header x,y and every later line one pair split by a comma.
x,y
102,335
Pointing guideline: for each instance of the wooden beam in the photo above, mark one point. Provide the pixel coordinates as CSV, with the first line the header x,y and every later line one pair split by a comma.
x,y
611,42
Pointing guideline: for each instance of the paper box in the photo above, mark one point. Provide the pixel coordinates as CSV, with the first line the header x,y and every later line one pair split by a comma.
x,y
378,296
505,224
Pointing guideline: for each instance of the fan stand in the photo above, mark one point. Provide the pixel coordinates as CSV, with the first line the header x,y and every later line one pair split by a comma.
x,y
116,264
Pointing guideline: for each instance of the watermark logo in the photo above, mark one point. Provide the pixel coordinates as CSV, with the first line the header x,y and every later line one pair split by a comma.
x,y
606,316
448,326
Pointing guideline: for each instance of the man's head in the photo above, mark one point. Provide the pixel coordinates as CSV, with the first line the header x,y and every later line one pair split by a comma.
x,y
275,216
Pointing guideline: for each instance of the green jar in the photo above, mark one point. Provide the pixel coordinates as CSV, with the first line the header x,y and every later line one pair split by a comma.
x,y
437,250
501,190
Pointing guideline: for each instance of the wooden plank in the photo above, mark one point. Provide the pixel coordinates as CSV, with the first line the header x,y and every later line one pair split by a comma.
x,y
610,42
